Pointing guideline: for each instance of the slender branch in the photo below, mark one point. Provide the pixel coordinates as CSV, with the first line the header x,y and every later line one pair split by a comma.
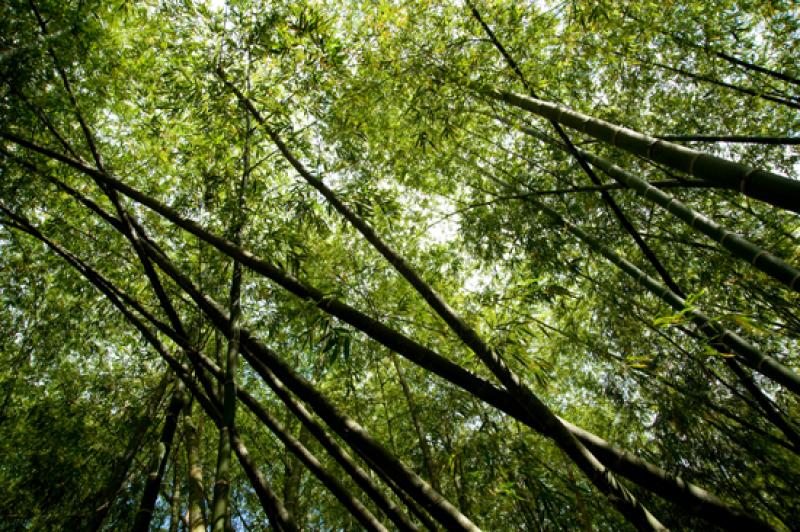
x,y
651,257
747,65
735,139
737,88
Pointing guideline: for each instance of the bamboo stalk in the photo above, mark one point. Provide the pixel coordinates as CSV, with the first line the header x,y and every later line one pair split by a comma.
x,y
772,188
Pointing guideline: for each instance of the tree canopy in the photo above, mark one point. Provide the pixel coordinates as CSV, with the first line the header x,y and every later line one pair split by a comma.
x,y
399,265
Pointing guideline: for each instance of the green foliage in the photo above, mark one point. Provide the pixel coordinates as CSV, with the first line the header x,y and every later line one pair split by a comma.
x,y
374,98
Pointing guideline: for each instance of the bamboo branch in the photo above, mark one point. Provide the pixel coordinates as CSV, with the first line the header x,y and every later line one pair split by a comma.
x,y
734,139
737,245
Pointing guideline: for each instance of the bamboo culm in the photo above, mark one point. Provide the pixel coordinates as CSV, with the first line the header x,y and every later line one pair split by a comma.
x,y
772,188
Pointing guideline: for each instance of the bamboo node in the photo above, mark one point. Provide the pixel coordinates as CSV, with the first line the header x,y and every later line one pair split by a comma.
x,y
758,256
650,147
692,161
614,136
746,176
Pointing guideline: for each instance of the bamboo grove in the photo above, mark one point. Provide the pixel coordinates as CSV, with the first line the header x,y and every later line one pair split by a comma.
x,y
393,265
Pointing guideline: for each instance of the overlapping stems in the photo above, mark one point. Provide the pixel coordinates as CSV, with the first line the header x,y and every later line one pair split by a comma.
x,y
594,456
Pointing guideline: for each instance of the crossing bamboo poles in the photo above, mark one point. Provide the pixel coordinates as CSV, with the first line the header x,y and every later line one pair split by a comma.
x,y
272,505
348,429
612,204
737,245
624,501
756,183
755,255
749,354
690,497
202,362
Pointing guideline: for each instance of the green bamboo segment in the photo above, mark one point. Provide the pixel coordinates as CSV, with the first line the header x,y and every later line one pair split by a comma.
x,y
738,246
772,188
749,354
